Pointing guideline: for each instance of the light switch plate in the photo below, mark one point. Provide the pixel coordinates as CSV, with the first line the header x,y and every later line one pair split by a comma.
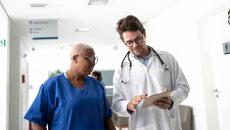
x,y
226,47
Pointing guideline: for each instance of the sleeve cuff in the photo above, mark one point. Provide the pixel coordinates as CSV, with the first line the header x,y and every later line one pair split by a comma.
x,y
124,109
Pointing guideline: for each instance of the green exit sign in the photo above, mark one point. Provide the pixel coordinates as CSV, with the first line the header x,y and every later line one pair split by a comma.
x,y
2,42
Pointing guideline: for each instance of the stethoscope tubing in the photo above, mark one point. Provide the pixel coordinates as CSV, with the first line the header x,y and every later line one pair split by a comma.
x,y
164,66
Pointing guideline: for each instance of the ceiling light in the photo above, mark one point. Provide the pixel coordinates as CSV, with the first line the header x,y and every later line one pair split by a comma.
x,y
38,5
82,30
97,2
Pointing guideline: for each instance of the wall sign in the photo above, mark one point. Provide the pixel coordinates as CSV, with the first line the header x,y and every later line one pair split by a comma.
x,y
229,16
226,47
2,42
42,29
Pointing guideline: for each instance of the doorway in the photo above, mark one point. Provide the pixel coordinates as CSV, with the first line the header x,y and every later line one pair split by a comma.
x,y
215,31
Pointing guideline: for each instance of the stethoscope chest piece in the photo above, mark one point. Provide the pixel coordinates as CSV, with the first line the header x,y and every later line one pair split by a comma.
x,y
165,67
125,75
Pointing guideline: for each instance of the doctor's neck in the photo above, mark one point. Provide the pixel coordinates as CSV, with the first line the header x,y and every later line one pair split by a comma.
x,y
144,53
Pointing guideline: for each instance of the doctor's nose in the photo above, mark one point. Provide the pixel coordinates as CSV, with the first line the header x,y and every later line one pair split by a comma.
x,y
135,44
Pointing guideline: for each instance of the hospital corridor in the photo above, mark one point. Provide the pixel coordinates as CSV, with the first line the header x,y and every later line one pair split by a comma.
x,y
38,38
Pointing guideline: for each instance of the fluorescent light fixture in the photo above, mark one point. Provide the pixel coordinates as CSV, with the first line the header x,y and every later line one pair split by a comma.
x,y
38,5
98,2
82,30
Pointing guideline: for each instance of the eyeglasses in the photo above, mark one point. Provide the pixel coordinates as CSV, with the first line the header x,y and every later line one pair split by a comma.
x,y
89,59
138,40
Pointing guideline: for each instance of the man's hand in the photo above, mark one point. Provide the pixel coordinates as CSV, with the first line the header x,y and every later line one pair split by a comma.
x,y
133,103
164,103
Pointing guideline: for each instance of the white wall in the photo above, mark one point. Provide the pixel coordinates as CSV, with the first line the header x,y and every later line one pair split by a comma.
x,y
176,31
24,85
11,114
14,79
17,91
3,67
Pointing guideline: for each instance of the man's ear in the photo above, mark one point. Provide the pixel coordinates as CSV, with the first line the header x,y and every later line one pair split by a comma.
x,y
75,59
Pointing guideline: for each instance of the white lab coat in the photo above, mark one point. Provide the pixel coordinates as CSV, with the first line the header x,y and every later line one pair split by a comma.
x,y
150,80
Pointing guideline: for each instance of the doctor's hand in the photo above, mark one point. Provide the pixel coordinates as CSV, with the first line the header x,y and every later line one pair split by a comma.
x,y
133,103
164,103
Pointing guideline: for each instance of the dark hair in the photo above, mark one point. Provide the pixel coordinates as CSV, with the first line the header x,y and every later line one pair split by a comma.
x,y
97,74
129,23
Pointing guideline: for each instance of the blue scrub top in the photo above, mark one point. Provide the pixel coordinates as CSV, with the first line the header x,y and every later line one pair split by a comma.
x,y
65,107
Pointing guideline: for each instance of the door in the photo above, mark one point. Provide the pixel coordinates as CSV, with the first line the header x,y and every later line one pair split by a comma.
x,y
217,66
219,32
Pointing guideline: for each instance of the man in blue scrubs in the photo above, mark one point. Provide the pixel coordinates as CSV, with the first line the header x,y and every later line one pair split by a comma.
x,y
73,100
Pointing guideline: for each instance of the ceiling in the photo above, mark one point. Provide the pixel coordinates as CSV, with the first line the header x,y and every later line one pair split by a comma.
x,y
73,14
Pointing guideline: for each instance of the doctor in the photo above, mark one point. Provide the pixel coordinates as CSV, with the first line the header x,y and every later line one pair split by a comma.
x,y
144,72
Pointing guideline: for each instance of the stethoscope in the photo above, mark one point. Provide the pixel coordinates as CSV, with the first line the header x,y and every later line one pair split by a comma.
x,y
125,79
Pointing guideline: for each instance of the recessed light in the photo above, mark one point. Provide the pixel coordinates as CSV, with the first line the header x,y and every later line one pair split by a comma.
x,y
82,30
38,5
97,2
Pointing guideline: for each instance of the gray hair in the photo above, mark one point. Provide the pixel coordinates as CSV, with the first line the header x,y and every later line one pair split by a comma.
x,y
79,48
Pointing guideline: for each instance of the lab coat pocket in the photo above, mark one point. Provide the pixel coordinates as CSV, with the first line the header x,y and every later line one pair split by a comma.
x,y
164,79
